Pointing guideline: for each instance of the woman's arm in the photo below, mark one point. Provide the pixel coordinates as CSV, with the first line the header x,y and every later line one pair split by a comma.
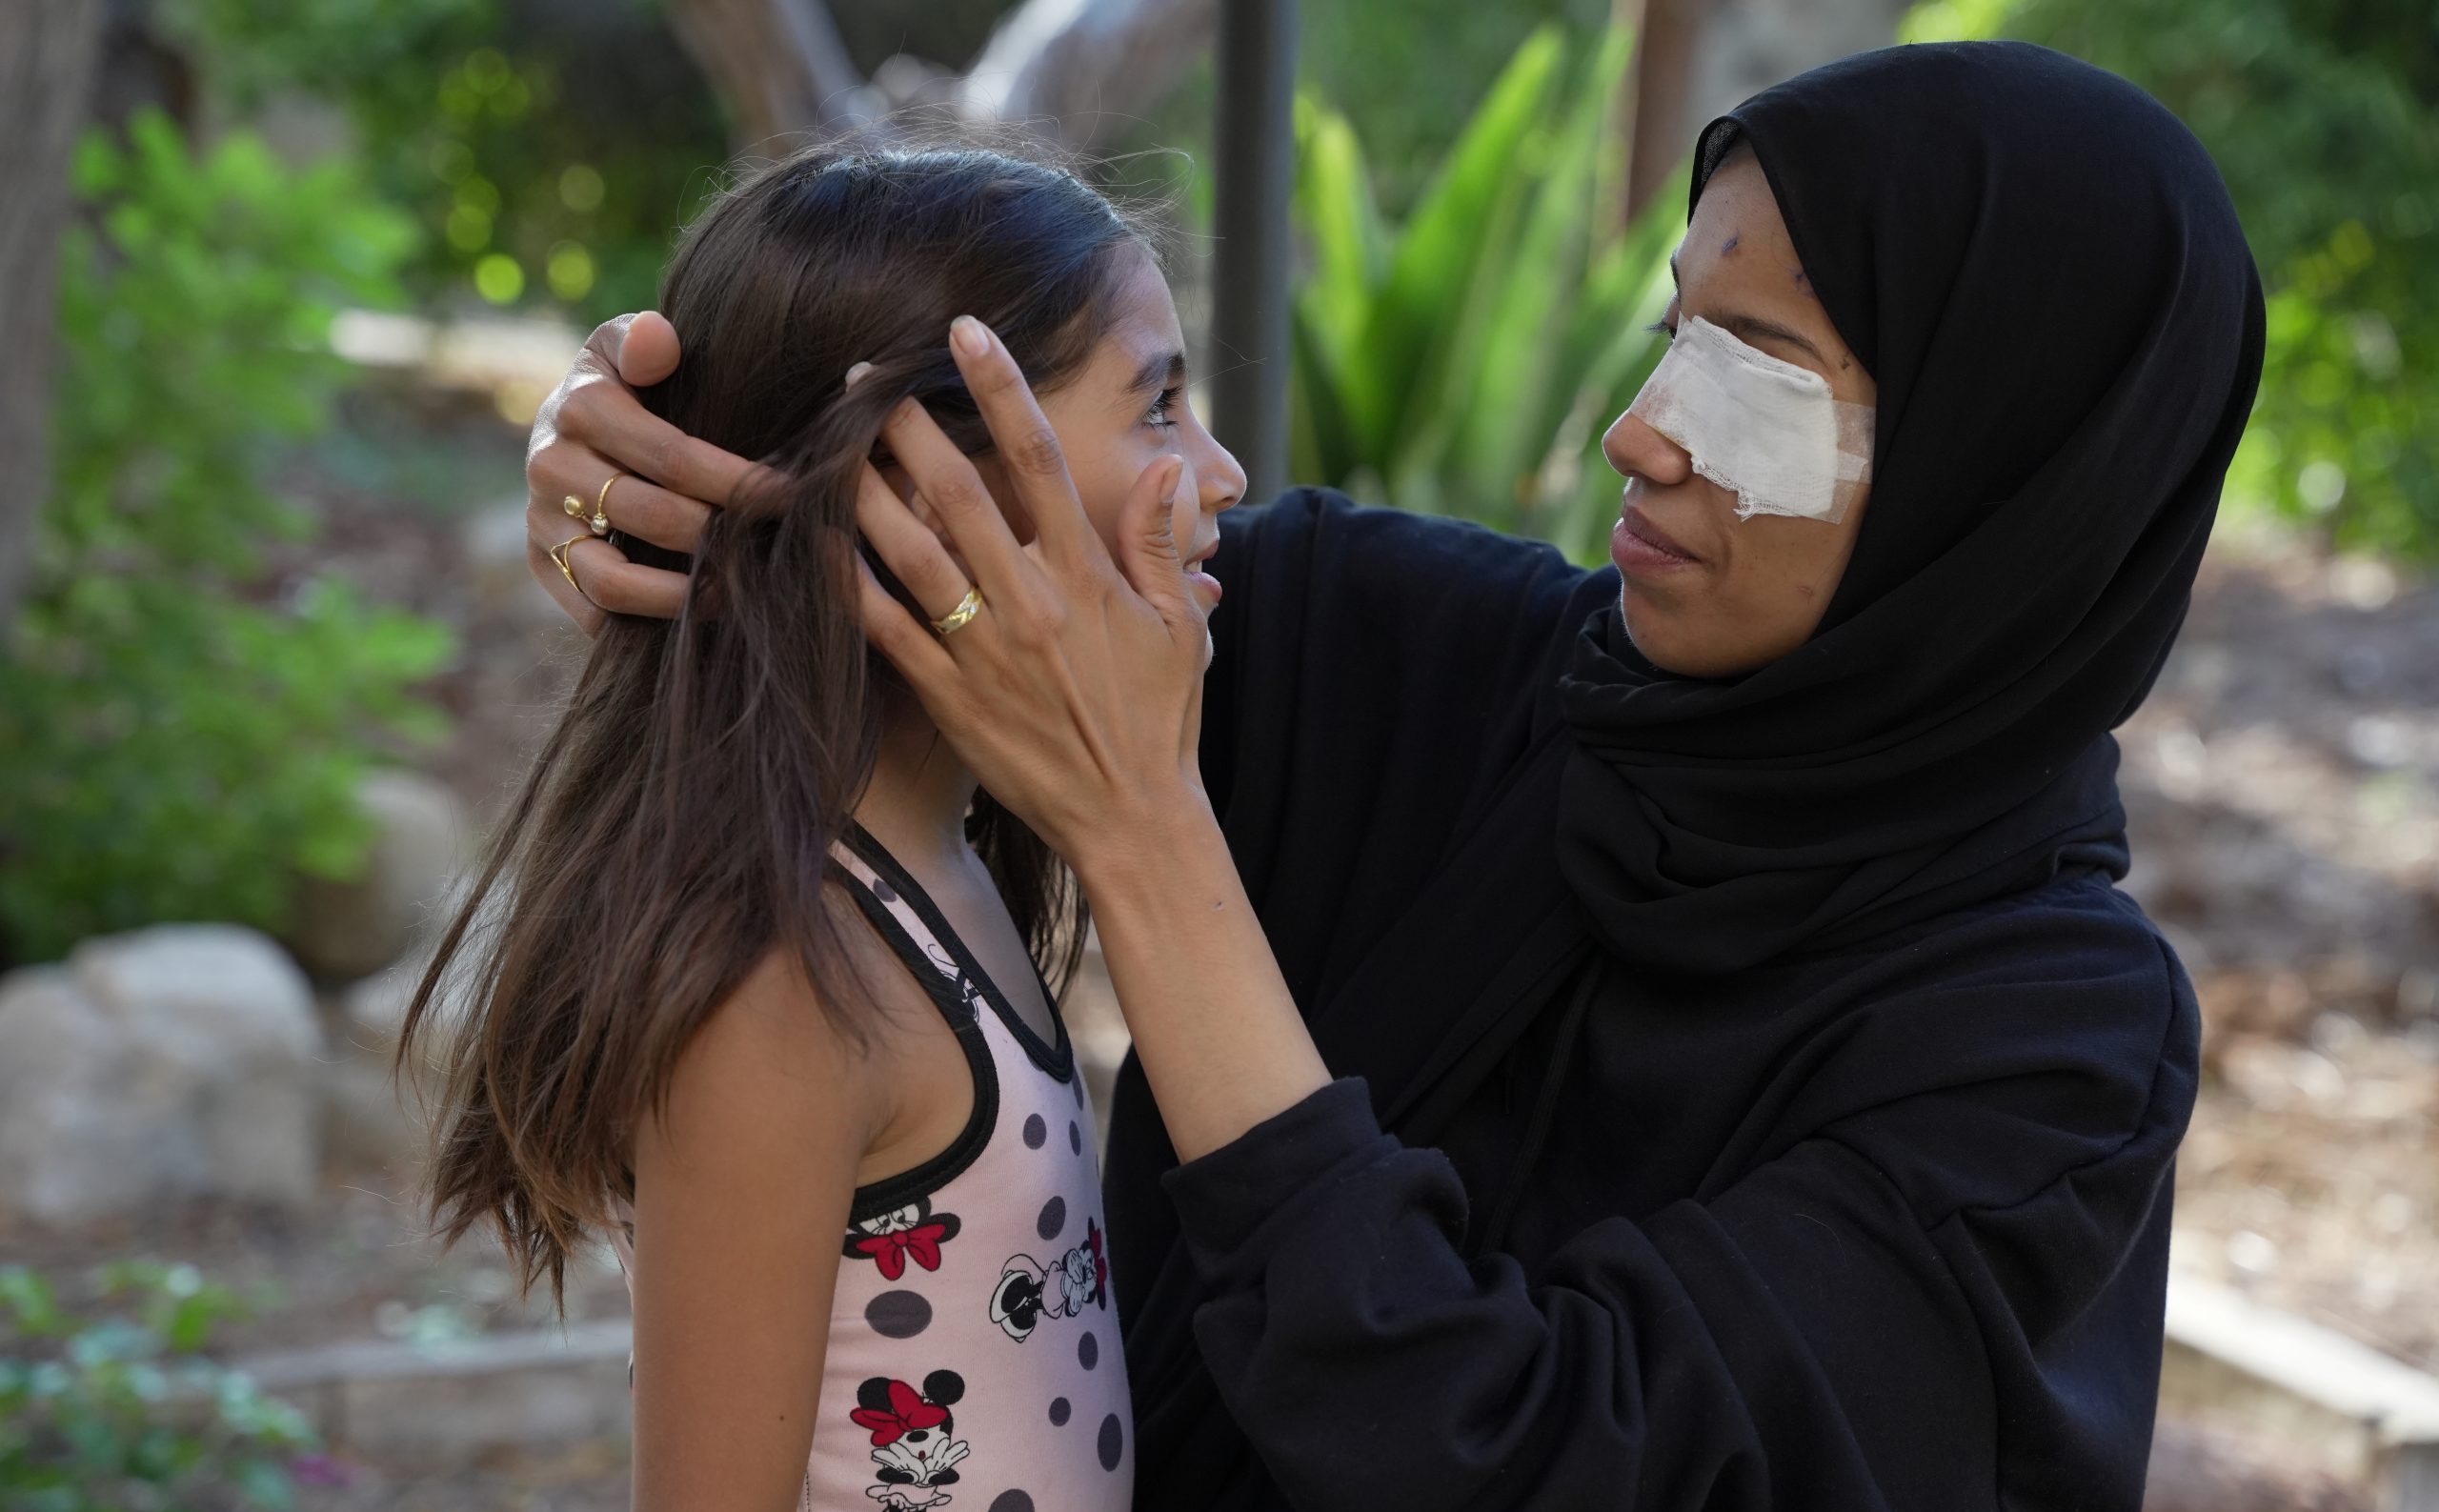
x,y
743,1182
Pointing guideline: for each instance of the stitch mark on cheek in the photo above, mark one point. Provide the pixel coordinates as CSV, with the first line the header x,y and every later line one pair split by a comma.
x,y
1804,281
1735,239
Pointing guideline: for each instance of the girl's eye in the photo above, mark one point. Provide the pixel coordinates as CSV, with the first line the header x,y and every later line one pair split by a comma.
x,y
1163,410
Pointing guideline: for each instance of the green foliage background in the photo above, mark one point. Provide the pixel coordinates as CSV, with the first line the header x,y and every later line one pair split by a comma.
x,y
2324,117
177,739
1467,358
116,1408
546,163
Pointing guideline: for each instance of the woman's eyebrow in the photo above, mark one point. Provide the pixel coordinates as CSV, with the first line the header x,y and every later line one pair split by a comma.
x,y
1748,328
1745,328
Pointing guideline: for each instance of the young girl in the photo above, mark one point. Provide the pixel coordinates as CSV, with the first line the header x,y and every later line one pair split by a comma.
x,y
766,995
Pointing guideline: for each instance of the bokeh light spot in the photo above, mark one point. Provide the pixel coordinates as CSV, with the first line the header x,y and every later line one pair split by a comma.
x,y
499,278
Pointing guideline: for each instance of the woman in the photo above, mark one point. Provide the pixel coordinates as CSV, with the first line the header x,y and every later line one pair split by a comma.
x,y
762,985
1766,1098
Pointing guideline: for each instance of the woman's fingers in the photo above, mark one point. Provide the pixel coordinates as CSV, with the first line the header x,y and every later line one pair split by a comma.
x,y
636,505
910,647
605,581
642,348
566,595
604,415
1027,446
945,478
656,516
908,547
594,406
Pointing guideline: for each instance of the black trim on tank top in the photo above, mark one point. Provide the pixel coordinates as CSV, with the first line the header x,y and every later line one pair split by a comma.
x,y
893,1192
1057,1058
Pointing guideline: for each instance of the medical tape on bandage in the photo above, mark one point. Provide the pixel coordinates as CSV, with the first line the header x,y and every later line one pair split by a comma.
x,y
1766,430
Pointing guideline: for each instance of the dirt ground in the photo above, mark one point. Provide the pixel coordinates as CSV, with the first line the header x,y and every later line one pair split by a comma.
x,y
2283,784
2283,790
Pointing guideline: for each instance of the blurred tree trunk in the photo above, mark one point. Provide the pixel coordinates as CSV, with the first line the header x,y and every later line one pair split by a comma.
x,y
46,48
778,65
1664,36
1072,64
1061,66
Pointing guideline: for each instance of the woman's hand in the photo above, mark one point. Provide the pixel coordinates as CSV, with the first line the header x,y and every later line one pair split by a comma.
x,y
592,426
1076,693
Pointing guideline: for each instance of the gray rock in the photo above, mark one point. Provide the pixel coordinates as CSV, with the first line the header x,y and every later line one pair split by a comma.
x,y
68,1149
175,1061
368,1121
345,930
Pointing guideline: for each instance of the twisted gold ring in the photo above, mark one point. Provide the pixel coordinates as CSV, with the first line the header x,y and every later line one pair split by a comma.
x,y
957,618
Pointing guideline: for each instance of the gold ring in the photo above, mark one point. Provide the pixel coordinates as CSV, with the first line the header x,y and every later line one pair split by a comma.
x,y
957,618
600,520
559,556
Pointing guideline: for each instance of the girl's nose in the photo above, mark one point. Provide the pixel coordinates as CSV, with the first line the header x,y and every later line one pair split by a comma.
x,y
1638,451
1219,483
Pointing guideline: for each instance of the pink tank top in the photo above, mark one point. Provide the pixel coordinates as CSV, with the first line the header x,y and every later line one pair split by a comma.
x,y
974,1353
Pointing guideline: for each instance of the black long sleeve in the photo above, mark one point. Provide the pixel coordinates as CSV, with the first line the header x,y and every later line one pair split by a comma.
x,y
1917,1301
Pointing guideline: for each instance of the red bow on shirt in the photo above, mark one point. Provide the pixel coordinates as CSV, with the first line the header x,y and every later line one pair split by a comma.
x,y
889,1251
907,1412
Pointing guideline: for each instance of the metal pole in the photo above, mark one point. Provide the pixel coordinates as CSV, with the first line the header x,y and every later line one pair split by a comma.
x,y
1249,275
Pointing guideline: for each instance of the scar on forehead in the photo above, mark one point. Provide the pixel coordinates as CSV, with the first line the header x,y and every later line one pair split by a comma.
x,y
1735,239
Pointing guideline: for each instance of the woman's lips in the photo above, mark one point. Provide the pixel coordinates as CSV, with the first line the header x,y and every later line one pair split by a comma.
x,y
1638,547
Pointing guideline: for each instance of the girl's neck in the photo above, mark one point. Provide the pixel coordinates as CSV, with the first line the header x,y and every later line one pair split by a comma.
x,y
917,802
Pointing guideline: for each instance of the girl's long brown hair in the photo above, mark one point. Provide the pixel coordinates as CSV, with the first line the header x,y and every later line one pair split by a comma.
x,y
677,825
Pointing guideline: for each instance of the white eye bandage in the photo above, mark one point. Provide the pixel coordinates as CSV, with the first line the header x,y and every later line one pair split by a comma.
x,y
1767,430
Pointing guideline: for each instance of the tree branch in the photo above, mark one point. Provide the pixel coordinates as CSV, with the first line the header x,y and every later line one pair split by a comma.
x,y
1071,67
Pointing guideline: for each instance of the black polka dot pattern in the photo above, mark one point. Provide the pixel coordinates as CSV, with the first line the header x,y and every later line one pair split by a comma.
x,y
1076,1138
1113,1441
883,890
1054,1217
1076,1085
898,1314
1011,1501
1037,1133
1061,1410
1088,1351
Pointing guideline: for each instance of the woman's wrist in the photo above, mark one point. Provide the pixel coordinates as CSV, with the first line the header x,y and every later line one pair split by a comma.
x,y
1124,847
1213,1021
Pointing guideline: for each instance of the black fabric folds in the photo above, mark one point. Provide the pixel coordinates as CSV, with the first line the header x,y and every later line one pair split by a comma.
x,y
2040,268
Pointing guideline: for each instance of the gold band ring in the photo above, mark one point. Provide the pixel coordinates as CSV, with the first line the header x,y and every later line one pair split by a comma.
x,y
600,520
957,618
559,557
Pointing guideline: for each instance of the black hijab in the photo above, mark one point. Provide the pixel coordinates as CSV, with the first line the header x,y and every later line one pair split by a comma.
x,y
2041,267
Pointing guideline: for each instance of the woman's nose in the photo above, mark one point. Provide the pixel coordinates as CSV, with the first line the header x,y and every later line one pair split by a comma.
x,y
1638,451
